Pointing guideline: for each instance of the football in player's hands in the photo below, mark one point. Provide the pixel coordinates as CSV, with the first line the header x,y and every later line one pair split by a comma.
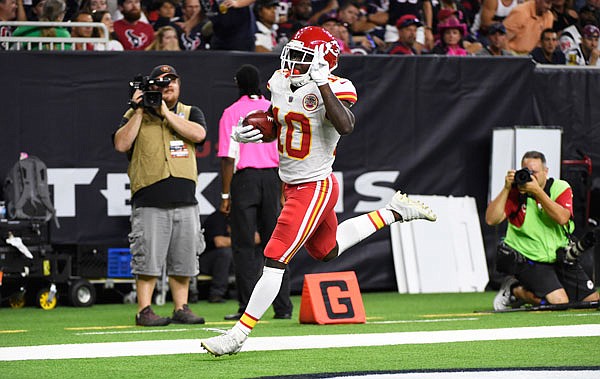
x,y
264,122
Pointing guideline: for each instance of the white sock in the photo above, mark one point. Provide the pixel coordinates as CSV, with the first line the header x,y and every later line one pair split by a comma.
x,y
263,295
356,229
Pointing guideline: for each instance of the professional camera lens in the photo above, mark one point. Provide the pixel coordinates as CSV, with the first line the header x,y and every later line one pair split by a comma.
x,y
522,176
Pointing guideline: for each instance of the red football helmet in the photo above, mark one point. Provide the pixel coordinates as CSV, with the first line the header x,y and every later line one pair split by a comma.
x,y
300,51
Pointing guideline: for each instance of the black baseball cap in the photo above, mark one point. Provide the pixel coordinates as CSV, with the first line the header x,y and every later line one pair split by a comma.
x,y
496,27
163,70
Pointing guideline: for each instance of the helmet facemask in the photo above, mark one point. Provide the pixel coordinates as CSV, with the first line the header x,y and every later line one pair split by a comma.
x,y
296,60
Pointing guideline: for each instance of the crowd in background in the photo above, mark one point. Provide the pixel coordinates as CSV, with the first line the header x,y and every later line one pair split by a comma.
x,y
550,31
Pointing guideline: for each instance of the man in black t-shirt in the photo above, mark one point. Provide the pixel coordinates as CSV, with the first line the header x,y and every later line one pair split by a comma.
x,y
548,53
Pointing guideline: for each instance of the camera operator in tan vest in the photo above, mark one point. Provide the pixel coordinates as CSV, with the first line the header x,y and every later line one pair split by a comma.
x,y
159,135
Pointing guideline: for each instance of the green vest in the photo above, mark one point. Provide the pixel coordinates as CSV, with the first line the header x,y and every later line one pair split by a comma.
x,y
157,154
539,236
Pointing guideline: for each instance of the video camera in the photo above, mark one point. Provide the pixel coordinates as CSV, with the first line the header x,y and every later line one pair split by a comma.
x,y
150,99
522,176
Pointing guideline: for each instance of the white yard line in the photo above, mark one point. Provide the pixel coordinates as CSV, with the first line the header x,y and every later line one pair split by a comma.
x,y
192,346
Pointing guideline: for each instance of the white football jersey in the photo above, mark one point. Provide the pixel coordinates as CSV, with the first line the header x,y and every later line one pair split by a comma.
x,y
307,139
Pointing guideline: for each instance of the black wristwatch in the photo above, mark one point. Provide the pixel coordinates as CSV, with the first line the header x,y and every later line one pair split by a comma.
x,y
133,105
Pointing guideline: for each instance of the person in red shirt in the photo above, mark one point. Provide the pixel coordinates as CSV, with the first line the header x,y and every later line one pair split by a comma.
x,y
133,33
407,36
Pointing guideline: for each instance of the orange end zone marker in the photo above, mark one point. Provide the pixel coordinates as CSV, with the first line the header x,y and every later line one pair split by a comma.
x,y
331,298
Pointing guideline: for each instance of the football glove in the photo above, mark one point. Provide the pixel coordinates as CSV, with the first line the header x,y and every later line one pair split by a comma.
x,y
245,134
319,69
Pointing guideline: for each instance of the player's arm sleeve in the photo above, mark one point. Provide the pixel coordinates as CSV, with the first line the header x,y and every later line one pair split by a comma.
x,y
344,90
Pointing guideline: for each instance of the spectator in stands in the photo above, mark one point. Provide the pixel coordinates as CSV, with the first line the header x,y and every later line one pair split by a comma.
x,y
345,37
266,28
165,39
373,19
496,36
446,8
570,38
298,17
321,8
492,11
332,25
94,5
54,10
105,18
165,13
98,5
233,25
115,11
8,12
423,9
539,214
83,31
588,14
34,11
217,258
467,42
192,30
407,36
165,219
451,32
524,23
591,12
131,31
250,193
564,15
348,14
589,45
548,52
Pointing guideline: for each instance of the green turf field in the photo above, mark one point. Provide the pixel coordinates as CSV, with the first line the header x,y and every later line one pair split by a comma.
x,y
386,313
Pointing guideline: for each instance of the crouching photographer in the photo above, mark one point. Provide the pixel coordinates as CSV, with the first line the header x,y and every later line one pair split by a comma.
x,y
159,135
539,211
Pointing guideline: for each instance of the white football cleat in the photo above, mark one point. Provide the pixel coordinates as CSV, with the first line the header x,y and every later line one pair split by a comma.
x,y
410,209
226,343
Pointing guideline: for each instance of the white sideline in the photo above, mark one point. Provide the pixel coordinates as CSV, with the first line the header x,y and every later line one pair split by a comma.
x,y
192,346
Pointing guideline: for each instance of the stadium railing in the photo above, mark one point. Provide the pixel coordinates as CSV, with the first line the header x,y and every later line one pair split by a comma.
x,y
50,43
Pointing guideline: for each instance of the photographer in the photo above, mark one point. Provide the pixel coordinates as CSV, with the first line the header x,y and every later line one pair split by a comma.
x,y
539,212
159,134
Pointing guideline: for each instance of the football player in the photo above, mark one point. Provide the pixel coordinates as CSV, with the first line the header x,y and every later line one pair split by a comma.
x,y
311,108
